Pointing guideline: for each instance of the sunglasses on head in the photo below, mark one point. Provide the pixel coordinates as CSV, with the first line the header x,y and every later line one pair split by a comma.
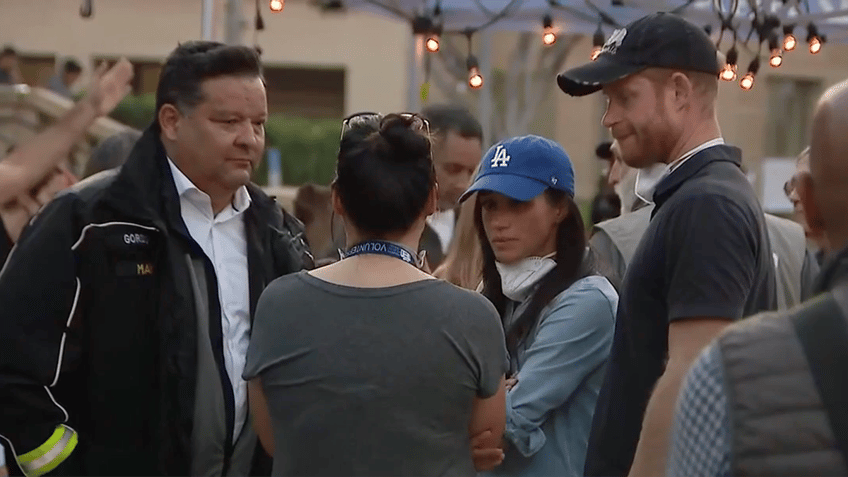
x,y
418,123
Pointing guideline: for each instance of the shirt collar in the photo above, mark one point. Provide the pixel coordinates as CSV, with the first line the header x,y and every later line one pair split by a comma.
x,y
684,171
688,154
241,199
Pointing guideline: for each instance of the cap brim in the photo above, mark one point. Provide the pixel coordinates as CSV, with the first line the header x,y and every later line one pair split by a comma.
x,y
516,187
591,77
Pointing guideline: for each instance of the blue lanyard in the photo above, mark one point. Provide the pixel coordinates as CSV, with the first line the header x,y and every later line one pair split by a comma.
x,y
381,247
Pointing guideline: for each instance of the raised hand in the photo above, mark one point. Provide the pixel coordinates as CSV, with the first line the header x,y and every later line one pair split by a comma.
x,y
109,87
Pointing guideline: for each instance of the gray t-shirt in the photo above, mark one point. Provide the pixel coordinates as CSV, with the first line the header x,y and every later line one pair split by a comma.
x,y
373,381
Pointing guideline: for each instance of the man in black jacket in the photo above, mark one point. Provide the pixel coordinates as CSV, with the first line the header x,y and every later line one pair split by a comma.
x,y
127,303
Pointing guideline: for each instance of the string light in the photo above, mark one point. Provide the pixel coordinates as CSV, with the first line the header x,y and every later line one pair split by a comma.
x,y
776,54
277,5
747,81
813,39
728,73
597,43
475,79
549,35
433,42
789,40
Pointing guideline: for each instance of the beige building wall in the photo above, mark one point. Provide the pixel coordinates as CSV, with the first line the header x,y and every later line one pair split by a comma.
x,y
374,53
372,49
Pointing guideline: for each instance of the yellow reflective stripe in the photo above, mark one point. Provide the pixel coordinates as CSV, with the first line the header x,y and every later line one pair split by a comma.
x,y
50,454
43,448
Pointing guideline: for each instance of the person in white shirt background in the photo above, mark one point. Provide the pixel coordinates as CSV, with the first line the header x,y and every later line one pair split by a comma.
x,y
457,149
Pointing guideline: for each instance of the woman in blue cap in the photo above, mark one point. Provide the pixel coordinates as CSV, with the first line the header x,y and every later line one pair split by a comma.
x,y
558,312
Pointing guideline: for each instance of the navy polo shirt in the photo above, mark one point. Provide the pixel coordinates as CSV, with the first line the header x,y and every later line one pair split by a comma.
x,y
705,253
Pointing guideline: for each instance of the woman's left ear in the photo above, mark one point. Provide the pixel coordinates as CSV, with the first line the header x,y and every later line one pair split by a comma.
x,y
562,212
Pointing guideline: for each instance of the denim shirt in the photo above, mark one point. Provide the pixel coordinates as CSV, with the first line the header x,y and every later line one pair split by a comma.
x,y
560,371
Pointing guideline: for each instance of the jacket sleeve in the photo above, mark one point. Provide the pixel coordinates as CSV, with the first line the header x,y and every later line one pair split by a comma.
x,y
39,290
573,339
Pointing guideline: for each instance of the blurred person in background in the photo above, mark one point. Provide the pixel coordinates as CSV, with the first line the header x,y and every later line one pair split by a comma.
x,y
17,213
390,371
604,153
557,311
793,189
767,397
111,152
605,205
616,240
10,71
179,244
32,160
313,206
457,147
63,81
463,265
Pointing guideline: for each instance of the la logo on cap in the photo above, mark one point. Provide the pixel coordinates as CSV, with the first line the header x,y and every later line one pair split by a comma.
x,y
501,158
611,46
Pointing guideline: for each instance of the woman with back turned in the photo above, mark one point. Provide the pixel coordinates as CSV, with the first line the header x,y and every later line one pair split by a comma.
x,y
369,366
558,311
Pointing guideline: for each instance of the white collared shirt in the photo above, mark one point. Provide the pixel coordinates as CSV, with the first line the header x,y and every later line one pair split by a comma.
x,y
223,238
443,223
687,155
647,192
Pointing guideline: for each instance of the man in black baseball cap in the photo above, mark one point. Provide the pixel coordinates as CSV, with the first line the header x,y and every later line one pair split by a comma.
x,y
704,260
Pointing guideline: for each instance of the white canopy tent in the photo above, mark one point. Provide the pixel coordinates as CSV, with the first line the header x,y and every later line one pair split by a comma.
x,y
583,17
831,16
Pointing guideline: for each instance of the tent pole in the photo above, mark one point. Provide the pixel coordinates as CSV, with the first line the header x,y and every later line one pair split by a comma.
x,y
207,8
485,102
415,67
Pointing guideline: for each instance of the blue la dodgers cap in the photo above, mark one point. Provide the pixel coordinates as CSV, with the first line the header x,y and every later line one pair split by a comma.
x,y
522,168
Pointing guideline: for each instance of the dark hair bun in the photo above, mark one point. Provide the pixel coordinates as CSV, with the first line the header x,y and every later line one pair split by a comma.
x,y
406,137
385,174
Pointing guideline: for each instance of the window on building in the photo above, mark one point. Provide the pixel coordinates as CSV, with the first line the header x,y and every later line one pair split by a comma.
x,y
791,101
305,92
146,73
37,69
790,110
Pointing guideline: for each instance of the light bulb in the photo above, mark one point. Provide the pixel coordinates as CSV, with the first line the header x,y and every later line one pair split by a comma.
x,y
728,73
789,42
747,81
596,52
776,58
433,43
815,45
277,5
475,79
813,39
549,35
